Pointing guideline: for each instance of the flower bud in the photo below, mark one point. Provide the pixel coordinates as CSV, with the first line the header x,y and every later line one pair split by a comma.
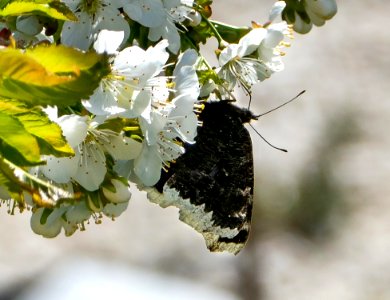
x,y
276,10
115,210
119,193
78,213
301,26
53,223
195,18
28,25
315,19
325,9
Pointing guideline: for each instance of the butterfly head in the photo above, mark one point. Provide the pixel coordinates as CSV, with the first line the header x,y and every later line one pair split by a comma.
x,y
219,110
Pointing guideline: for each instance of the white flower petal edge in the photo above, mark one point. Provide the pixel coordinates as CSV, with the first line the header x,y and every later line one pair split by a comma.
x,y
132,84
148,165
276,10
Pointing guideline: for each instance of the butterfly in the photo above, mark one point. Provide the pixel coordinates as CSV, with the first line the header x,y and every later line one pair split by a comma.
x,y
212,182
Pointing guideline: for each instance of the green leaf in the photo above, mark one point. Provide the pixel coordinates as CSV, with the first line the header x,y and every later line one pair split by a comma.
x,y
230,33
292,7
204,2
200,34
61,59
50,8
205,75
18,144
48,134
50,75
9,181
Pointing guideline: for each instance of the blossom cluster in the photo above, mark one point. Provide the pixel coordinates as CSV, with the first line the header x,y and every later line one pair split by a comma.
x,y
144,109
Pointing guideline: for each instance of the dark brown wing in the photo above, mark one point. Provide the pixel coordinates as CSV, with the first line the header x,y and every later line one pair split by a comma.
x,y
212,183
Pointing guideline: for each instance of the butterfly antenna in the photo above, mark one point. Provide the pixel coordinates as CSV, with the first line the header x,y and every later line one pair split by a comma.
x,y
250,100
277,107
277,148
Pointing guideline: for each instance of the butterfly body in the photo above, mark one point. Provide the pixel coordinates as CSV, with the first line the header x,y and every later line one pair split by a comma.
x,y
212,182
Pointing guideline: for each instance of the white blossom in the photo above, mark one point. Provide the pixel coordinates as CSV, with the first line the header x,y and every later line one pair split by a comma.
x,y
149,13
238,66
88,166
132,84
257,54
176,12
93,16
161,16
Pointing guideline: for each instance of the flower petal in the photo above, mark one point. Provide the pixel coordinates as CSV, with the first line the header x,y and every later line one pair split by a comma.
x,y
186,79
78,34
92,167
109,18
152,128
108,41
103,101
148,165
61,169
74,128
121,147
149,13
187,126
251,41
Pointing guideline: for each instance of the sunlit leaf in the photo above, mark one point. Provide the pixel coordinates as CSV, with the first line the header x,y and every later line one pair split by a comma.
x,y
10,182
61,59
50,75
48,134
50,8
18,144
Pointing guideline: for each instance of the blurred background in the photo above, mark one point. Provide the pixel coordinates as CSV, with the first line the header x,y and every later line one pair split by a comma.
x,y
321,225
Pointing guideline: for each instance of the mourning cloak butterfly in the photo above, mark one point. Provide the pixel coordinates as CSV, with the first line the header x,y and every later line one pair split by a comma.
x,y
212,182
